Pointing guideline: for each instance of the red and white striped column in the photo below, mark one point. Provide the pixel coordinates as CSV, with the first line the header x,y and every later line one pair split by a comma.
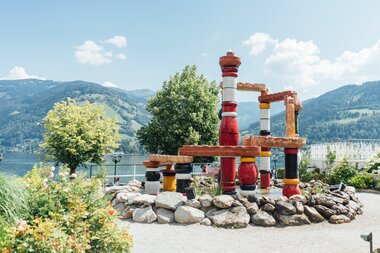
x,y
265,151
229,131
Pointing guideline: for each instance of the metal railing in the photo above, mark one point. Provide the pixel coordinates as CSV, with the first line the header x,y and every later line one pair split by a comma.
x,y
136,171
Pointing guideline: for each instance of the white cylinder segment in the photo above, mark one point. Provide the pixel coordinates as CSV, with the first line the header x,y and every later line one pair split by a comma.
x,y
229,82
229,94
265,124
152,187
265,163
265,119
229,88
229,114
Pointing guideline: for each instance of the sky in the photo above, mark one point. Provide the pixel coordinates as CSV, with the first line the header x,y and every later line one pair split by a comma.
x,y
309,46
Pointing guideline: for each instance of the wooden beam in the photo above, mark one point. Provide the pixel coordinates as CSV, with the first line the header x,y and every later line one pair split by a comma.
x,y
274,97
220,151
150,164
170,159
274,142
290,118
256,87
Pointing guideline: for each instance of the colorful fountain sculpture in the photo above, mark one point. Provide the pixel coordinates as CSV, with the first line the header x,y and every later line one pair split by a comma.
x,y
252,146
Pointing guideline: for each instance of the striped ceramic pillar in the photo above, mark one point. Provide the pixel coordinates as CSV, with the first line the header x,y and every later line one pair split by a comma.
x,y
291,180
152,181
265,151
183,176
229,132
247,175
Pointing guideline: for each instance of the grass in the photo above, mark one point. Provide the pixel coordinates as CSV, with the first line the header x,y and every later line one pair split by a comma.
x,y
13,199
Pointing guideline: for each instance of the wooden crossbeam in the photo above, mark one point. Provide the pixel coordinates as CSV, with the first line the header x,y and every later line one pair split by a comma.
x,y
220,151
274,142
170,159
282,96
257,87
150,164
274,97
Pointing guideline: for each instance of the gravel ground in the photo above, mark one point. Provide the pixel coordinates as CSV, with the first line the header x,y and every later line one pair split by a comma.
x,y
321,238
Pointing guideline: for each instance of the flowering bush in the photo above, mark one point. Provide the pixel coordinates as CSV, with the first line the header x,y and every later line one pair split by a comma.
x,y
69,214
374,163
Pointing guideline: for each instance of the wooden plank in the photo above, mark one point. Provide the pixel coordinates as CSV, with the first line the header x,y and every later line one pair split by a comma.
x,y
274,97
150,164
258,87
290,118
274,142
170,159
220,151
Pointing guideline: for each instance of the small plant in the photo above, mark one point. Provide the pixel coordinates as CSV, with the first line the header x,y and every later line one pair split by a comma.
x,y
207,184
362,181
342,173
13,199
280,173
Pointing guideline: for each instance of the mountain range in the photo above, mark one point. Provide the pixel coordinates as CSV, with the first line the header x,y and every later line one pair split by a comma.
x,y
24,103
349,112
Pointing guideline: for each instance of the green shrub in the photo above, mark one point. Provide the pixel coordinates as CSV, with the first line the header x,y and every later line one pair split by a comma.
x,y
342,173
13,199
362,181
308,176
69,214
4,235
280,173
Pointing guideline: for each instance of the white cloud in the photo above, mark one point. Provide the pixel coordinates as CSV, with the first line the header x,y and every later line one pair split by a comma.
x,y
258,42
298,64
120,56
118,40
109,84
20,73
204,54
91,53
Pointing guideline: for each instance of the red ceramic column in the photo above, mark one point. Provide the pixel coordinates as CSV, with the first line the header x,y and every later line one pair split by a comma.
x,y
291,180
229,132
247,175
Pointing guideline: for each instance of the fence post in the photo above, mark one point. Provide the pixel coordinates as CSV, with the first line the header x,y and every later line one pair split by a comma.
x,y
90,171
134,171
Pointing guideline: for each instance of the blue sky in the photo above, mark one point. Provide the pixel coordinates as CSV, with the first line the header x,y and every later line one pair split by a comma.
x,y
309,46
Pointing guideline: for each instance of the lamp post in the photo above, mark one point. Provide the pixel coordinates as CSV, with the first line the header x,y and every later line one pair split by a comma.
x,y
368,238
116,157
275,158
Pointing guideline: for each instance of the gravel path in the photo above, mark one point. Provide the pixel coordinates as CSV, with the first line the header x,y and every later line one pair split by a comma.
x,y
321,238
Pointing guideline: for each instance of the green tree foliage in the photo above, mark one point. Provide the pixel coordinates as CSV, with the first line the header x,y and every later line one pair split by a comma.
x,y
77,134
184,112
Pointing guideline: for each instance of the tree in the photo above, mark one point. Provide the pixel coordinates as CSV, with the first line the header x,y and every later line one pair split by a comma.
x,y
184,112
77,134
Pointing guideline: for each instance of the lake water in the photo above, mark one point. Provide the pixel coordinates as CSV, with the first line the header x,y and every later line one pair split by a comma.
x,y
20,163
